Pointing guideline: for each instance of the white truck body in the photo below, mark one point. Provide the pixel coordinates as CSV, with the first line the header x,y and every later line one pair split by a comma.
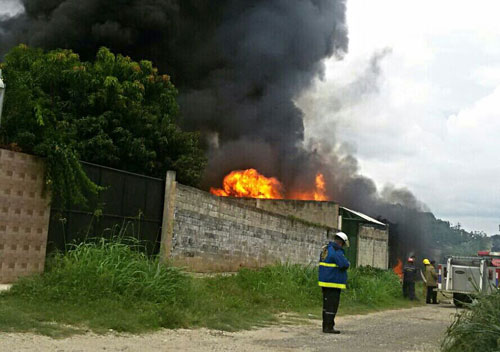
x,y
464,277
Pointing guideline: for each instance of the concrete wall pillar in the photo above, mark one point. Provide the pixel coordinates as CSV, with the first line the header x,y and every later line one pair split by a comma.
x,y
24,215
167,228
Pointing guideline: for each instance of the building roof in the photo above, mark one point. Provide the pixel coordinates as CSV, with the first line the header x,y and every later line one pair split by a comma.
x,y
364,216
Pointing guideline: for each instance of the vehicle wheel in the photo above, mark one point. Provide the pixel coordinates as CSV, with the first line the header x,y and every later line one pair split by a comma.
x,y
458,303
459,299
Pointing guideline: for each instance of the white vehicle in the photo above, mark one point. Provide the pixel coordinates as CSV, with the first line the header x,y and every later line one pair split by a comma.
x,y
465,277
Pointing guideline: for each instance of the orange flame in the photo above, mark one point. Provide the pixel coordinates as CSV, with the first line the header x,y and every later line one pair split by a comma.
x,y
319,192
398,269
250,184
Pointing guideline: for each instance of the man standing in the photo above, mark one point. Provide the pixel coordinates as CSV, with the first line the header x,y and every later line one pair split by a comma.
x,y
431,281
333,278
409,278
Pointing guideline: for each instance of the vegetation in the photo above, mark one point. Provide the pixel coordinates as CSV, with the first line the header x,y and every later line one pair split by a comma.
x,y
454,240
477,328
113,111
112,285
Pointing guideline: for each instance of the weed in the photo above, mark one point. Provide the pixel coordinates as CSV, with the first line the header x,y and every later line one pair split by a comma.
x,y
111,284
476,328
103,285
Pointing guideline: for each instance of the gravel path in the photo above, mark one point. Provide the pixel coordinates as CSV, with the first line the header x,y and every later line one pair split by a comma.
x,y
415,329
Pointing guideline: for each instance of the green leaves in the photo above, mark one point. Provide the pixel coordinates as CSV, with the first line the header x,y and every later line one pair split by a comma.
x,y
39,115
113,111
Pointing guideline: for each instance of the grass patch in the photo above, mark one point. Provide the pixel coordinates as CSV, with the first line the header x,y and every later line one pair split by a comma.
x,y
371,289
101,286
476,328
112,285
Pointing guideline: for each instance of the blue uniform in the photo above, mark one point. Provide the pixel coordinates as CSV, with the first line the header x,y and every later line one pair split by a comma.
x,y
333,267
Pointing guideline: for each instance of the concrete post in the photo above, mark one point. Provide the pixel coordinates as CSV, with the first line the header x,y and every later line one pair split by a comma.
x,y
167,228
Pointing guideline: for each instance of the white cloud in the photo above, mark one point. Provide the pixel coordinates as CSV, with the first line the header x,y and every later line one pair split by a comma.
x,y
488,76
433,124
10,7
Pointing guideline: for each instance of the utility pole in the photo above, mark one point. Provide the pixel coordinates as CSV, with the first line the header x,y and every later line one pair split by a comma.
x,y
2,92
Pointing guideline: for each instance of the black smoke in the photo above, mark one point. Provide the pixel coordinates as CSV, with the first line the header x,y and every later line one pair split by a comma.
x,y
239,66
411,222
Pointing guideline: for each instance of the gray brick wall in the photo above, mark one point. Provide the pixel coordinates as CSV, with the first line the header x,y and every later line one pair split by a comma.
x,y
219,234
324,213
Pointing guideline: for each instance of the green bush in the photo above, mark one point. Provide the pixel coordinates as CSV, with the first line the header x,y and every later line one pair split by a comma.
x,y
476,328
112,111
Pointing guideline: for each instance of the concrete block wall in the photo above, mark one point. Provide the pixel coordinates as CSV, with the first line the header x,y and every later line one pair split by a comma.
x,y
220,234
24,215
324,213
203,232
373,247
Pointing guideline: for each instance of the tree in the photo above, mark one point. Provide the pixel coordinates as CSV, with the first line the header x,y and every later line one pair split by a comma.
x,y
113,111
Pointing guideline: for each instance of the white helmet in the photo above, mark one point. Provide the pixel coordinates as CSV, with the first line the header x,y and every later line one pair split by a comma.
x,y
344,237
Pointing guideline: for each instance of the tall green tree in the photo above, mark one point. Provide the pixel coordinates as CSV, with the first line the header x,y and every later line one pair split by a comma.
x,y
113,111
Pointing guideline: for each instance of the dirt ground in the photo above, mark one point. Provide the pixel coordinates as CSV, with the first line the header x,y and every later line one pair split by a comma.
x,y
415,329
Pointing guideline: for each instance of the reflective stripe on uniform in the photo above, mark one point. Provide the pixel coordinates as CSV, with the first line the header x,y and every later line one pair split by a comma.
x,y
331,284
331,265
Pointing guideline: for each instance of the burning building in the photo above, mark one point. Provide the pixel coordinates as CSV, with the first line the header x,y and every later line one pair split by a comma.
x,y
239,66
368,236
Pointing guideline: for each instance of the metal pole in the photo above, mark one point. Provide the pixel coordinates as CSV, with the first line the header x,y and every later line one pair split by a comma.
x,y
2,92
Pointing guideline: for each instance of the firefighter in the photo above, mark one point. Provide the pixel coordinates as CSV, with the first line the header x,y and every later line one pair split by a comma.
x,y
409,278
332,278
431,281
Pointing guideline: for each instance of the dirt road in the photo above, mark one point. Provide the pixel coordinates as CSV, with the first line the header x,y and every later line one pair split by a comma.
x,y
416,329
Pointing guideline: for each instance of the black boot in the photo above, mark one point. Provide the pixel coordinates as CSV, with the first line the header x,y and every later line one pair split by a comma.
x,y
330,331
328,323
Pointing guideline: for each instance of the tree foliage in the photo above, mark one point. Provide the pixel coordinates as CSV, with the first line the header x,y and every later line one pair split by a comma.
x,y
454,240
113,111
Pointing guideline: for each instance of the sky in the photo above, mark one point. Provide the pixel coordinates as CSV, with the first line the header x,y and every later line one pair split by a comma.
x,y
10,7
417,99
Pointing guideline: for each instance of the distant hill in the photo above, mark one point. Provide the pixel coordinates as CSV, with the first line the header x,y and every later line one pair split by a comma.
x,y
495,243
453,240
420,233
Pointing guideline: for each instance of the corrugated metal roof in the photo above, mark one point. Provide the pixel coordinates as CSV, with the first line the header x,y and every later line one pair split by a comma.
x,y
364,216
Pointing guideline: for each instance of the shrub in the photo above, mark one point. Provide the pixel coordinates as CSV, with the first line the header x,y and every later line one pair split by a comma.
x,y
112,111
477,328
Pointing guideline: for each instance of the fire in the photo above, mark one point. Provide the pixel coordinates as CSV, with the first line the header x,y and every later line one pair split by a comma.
x,y
398,269
250,184
319,192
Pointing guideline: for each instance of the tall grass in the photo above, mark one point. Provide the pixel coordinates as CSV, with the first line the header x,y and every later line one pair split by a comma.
x,y
105,284
111,284
477,328
112,269
372,287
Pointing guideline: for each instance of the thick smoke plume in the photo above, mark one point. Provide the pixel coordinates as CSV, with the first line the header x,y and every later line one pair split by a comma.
x,y
240,65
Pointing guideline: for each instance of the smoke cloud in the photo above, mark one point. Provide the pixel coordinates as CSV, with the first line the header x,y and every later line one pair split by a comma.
x,y
240,66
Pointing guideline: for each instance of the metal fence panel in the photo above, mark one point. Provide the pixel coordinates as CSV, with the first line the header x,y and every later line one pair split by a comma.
x,y
131,206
